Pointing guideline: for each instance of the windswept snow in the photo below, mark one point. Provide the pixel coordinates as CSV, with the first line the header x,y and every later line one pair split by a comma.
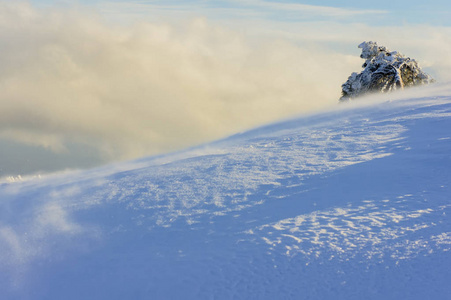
x,y
347,204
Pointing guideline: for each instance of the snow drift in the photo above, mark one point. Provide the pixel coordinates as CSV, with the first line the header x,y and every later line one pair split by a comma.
x,y
345,204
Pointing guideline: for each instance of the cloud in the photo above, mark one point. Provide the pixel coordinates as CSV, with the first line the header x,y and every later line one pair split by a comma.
x,y
72,79
149,88
252,8
326,11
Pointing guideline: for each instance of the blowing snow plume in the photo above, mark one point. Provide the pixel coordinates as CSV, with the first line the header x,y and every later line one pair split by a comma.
x,y
384,71
70,81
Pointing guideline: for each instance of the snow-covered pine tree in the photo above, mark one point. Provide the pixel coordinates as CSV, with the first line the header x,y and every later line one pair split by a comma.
x,y
384,71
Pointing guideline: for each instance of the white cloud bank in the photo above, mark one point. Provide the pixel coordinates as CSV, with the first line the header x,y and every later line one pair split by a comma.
x,y
68,77
147,88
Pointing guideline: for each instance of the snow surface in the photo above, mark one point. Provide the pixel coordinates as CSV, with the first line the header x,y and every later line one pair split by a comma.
x,y
352,203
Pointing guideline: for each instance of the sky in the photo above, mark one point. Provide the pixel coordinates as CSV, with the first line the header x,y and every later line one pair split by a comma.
x,y
89,82
390,12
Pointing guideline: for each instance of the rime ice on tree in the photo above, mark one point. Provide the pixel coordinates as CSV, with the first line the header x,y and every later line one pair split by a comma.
x,y
384,71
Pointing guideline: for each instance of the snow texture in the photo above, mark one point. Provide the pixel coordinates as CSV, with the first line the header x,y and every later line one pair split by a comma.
x,y
384,71
352,203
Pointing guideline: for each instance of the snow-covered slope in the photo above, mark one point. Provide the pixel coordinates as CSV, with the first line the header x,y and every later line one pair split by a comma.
x,y
348,204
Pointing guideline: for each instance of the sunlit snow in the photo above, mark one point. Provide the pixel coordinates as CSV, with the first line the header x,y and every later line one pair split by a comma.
x,y
347,204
